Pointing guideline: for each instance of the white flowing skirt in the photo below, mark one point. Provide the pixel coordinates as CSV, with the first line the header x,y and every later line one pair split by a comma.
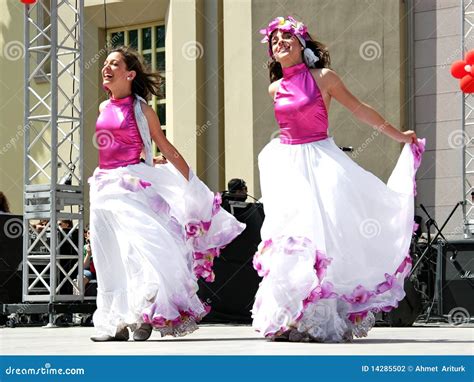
x,y
335,241
152,234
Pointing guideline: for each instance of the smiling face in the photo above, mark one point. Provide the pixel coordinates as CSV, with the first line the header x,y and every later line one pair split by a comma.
x,y
286,48
115,75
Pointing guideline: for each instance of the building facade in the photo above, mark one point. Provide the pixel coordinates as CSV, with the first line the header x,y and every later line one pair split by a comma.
x,y
216,109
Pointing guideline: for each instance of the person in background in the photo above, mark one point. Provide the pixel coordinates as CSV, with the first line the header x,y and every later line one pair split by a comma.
x,y
4,205
237,190
89,269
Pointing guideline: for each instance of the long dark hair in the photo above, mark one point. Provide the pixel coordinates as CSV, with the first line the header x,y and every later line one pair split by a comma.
x,y
318,48
146,83
4,207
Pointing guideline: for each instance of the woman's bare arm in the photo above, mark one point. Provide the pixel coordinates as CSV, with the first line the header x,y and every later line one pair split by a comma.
x,y
166,148
362,111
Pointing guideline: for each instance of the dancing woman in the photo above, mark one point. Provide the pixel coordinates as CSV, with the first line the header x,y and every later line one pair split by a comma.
x,y
336,250
154,230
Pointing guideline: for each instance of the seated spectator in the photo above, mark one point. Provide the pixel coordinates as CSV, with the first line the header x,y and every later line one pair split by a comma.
x,y
89,269
4,206
237,190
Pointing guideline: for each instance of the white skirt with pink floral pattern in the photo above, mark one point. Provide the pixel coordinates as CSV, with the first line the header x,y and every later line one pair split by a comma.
x,y
152,235
335,241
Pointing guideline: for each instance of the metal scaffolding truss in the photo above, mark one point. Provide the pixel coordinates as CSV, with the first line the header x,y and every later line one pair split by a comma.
x,y
53,152
467,119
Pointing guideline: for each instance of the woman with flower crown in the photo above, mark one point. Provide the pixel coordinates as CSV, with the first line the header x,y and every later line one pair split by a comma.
x,y
336,251
154,230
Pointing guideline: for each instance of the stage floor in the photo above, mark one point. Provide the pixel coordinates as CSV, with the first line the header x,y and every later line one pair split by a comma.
x,y
238,340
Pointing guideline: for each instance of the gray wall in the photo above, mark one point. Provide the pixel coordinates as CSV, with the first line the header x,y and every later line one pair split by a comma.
x,y
367,47
437,42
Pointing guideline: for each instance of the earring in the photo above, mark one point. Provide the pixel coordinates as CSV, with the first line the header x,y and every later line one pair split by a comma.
x,y
129,78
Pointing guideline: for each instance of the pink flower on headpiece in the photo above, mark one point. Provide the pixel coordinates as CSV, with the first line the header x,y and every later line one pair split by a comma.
x,y
276,23
298,27
286,27
290,24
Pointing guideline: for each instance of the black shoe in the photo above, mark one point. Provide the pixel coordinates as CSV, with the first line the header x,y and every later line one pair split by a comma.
x,y
142,333
282,337
121,335
296,336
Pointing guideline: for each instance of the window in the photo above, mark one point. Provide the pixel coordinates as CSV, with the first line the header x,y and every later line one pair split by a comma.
x,y
149,41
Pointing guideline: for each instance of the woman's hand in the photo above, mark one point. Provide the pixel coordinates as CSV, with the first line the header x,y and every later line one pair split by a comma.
x,y
160,159
165,147
409,136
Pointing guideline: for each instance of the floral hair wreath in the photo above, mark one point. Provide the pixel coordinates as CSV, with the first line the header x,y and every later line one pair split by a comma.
x,y
295,27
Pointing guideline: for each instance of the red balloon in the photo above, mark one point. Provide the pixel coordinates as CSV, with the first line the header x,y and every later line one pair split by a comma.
x,y
469,57
464,70
467,84
458,69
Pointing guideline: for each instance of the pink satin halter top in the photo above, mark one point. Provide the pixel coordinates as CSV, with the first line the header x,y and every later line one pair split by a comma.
x,y
117,135
299,107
